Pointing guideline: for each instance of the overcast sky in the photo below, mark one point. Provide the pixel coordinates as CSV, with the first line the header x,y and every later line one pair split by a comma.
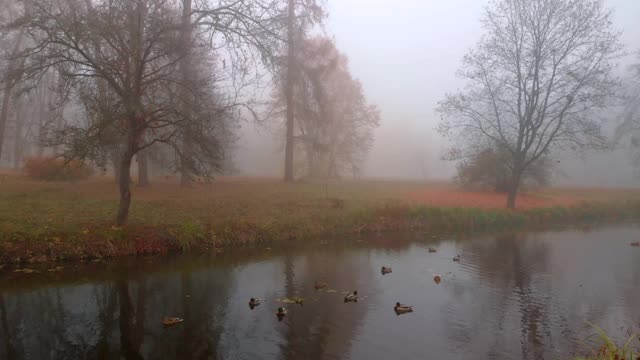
x,y
406,53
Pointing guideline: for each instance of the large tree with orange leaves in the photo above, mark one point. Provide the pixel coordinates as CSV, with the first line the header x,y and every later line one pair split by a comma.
x,y
334,121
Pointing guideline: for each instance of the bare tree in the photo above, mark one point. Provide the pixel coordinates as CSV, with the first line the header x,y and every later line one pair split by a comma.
x,y
12,73
251,32
534,81
289,142
629,128
136,61
186,34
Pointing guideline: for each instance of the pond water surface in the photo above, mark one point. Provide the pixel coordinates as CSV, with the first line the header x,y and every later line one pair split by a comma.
x,y
511,296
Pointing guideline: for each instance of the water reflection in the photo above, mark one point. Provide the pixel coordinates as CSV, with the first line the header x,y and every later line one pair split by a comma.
x,y
503,273
511,296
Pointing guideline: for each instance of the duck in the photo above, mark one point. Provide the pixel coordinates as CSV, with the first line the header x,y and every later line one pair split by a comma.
x,y
170,321
385,270
351,297
432,250
456,258
281,312
401,309
253,302
320,285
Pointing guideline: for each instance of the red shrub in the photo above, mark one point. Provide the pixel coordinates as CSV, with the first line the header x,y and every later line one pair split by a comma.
x,y
51,169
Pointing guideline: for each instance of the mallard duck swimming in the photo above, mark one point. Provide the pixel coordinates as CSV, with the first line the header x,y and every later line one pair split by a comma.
x,y
170,321
456,258
385,270
254,302
432,250
401,309
320,285
281,312
351,297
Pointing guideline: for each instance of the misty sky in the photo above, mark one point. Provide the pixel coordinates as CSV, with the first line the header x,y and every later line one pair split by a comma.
x,y
406,53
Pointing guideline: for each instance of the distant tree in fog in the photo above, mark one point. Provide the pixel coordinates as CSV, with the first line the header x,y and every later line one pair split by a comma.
x,y
629,129
534,82
11,43
334,122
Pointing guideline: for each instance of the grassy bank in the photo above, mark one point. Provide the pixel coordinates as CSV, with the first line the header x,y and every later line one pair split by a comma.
x,y
56,221
606,348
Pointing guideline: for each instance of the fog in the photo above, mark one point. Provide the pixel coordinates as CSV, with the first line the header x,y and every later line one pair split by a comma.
x,y
406,57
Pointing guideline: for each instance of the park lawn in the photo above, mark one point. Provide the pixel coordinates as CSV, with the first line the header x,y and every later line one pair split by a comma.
x,y
42,221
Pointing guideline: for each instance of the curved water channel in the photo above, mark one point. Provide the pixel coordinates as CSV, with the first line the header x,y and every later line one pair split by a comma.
x,y
512,296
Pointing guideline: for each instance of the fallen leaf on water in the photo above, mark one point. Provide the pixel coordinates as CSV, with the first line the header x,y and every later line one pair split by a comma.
x,y
293,300
437,279
55,269
331,291
170,321
25,270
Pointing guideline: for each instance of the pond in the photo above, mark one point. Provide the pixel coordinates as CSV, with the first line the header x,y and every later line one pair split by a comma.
x,y
511,296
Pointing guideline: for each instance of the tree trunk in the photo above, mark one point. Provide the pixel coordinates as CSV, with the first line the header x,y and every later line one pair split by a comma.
x,y
18,141
512,193
4,113
288,152
115,162
186,178
42,115
8,88
143,169
124,183
185,67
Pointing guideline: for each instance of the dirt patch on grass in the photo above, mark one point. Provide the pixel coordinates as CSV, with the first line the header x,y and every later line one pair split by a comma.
x,y
452,197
